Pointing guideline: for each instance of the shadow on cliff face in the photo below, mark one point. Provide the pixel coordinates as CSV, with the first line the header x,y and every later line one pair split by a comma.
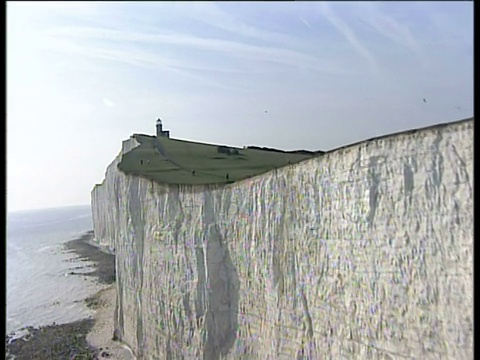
x,y
221,317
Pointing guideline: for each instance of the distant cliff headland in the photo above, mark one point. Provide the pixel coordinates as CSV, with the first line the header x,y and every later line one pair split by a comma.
x,y
171,161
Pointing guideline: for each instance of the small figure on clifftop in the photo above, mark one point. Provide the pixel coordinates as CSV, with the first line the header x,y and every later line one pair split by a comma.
x,y
193,172
227,176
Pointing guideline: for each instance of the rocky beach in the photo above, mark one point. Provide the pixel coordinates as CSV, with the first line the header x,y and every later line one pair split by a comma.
x,y
89,338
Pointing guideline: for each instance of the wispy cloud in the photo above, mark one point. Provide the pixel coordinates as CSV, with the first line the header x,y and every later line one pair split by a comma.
x,y
211,14
108,102
307,24
399,33
138,58
348,33
232,49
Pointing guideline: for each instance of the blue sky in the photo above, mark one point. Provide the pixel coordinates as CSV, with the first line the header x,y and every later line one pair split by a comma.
x,y
82,77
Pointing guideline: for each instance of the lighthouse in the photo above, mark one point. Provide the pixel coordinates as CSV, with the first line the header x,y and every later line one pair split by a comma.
x,y
160,131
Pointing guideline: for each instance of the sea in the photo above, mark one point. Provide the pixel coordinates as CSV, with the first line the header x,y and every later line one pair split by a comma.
x,y
40,289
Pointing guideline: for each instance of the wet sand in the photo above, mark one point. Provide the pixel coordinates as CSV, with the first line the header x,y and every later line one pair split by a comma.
x,y
84,339
104,262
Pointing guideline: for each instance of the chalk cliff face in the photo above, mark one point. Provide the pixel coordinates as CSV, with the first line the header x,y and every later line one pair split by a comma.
x,y
364,252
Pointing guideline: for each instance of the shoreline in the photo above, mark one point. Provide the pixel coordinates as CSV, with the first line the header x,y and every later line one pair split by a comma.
x,y
101,334
89,338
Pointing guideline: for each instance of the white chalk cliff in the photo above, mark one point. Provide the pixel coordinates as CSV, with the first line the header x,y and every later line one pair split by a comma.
x,y
364,252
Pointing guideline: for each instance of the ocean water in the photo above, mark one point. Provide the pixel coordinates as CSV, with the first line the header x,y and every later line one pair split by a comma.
x,y
39,287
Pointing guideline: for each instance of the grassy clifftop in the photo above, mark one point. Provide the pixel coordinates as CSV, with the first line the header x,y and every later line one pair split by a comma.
x,y
174,161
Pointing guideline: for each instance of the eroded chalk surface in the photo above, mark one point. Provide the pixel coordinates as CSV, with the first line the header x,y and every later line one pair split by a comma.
x,y
365,252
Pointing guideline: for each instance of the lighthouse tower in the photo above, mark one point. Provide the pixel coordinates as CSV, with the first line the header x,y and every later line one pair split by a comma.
x,y
160,131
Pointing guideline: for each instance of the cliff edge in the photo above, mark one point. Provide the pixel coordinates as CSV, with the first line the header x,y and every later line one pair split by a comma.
x,y
363,252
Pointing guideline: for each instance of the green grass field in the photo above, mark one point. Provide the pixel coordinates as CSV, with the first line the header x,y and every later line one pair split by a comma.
x,y
173,162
